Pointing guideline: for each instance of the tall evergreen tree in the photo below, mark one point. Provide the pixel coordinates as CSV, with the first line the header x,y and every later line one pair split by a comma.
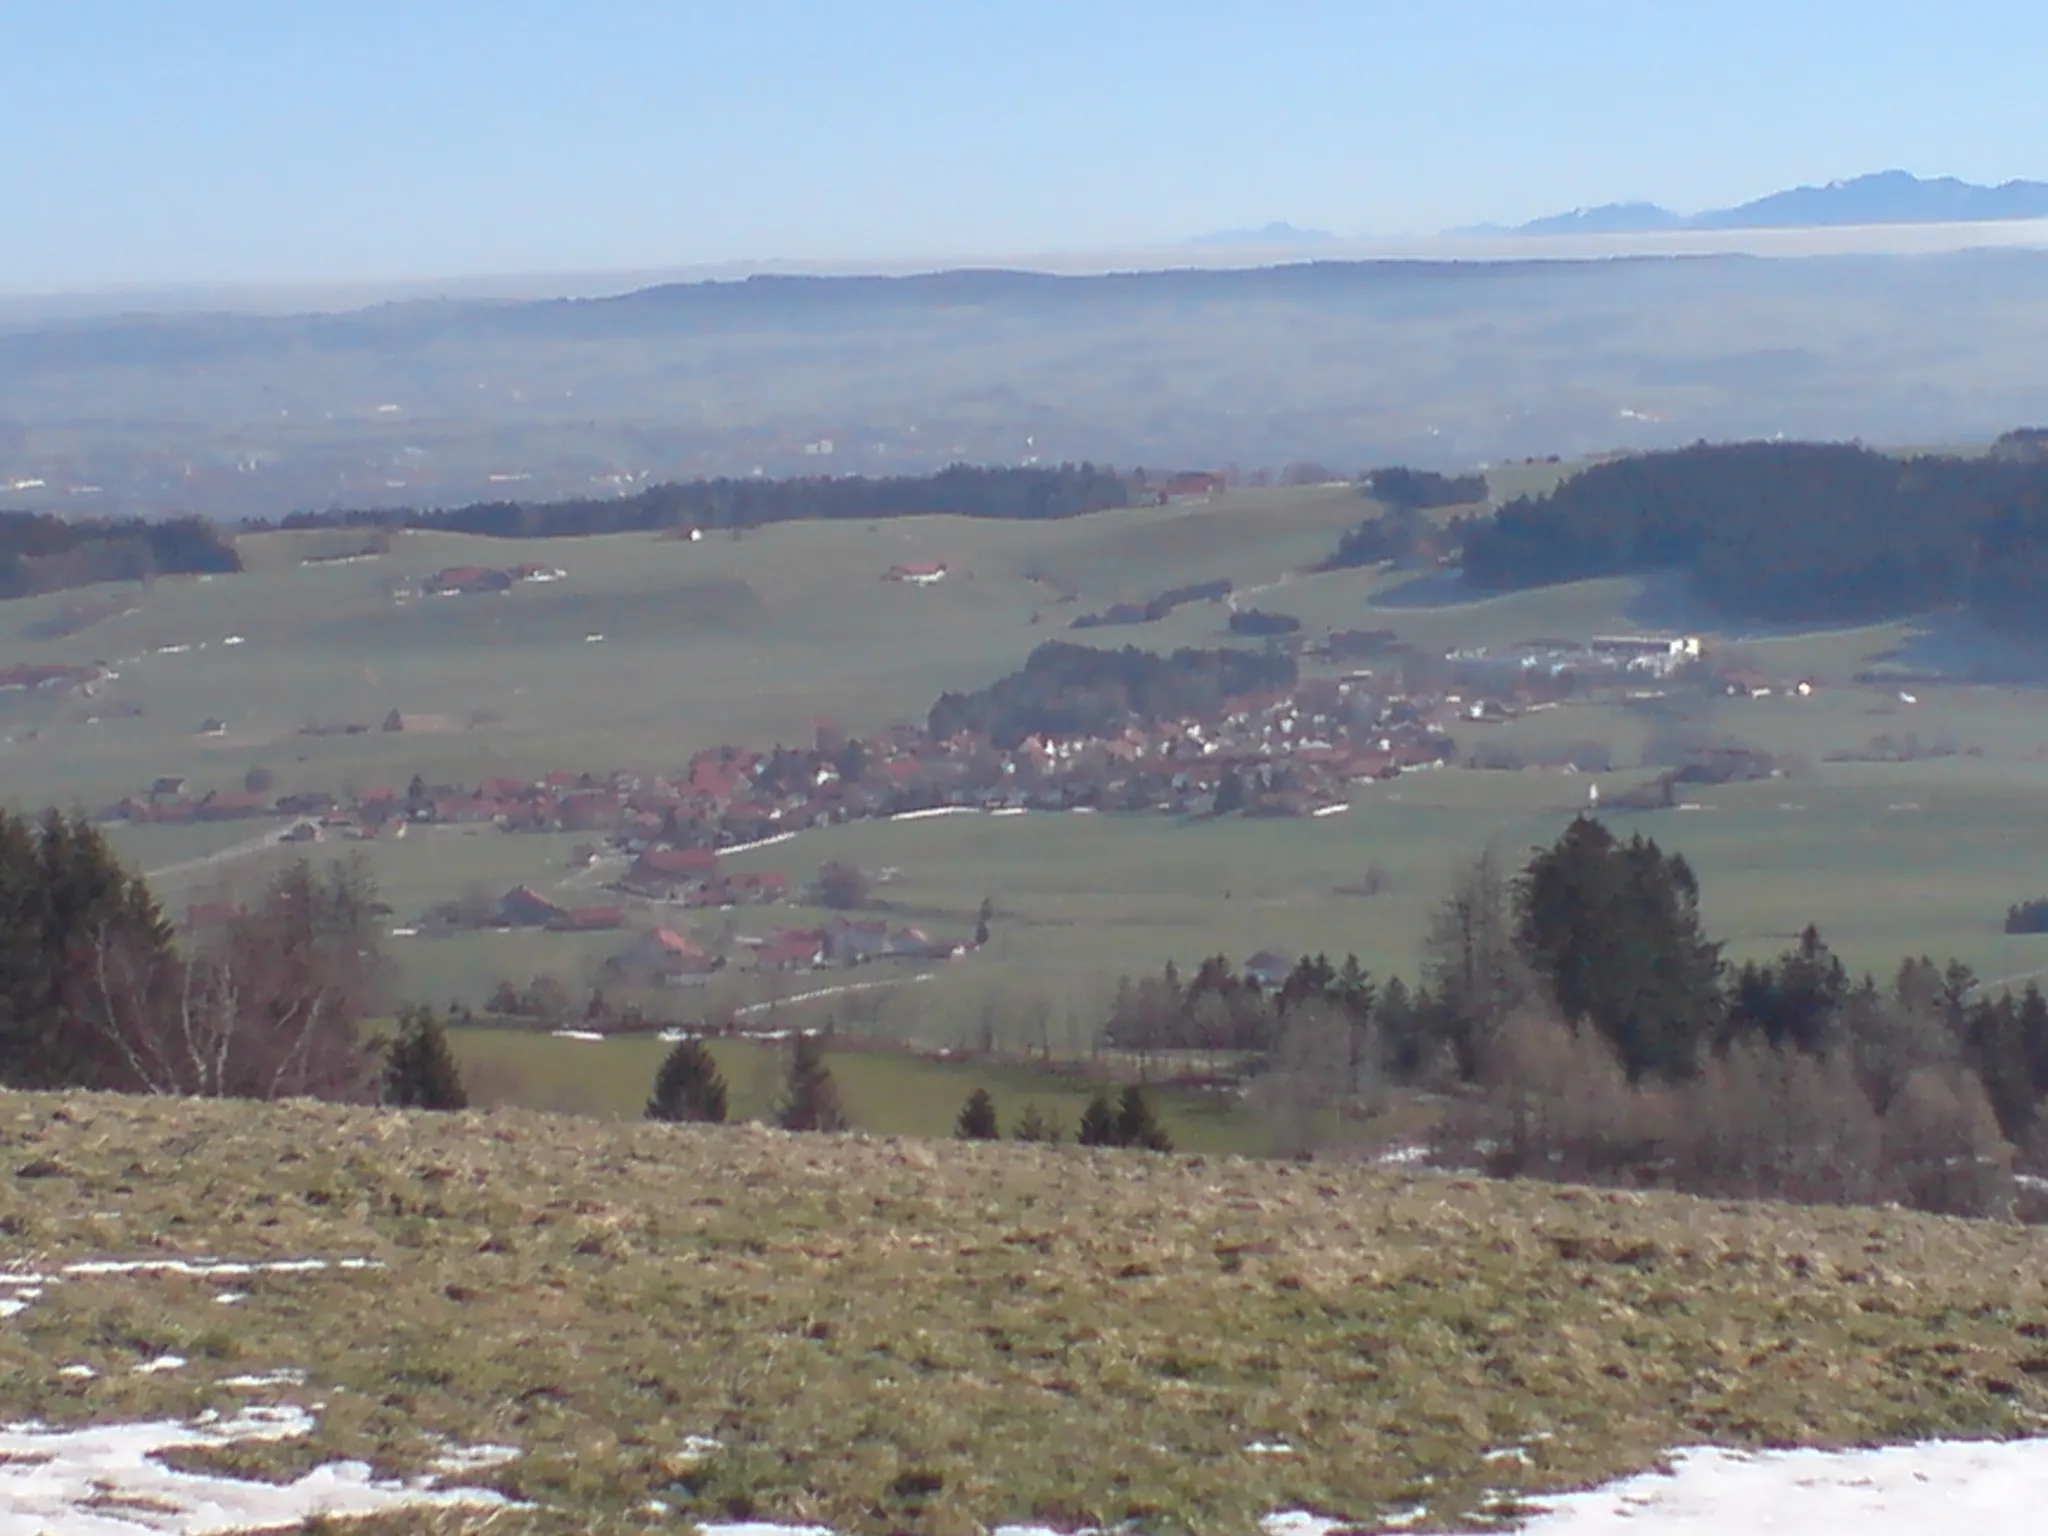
x,y
1613,929
977,1120
68,909
1794,1001
688,1087
810,1097
1135,1126
1098,1123
419,1069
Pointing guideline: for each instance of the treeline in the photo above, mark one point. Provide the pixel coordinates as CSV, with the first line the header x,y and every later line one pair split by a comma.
x,y
1791,531
1157,608
1403,489
1404,535
1077,690
1586,1028
964,490
42,553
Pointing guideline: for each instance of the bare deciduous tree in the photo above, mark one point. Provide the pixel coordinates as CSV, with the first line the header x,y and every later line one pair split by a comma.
x,y
269,1007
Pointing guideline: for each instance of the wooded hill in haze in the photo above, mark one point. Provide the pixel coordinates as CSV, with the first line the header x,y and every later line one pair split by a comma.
x,y
1438,364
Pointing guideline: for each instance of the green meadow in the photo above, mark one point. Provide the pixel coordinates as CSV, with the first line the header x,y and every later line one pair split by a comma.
x,y
652,649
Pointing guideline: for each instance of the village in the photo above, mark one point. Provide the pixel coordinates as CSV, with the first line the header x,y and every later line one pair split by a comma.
x,y
656,843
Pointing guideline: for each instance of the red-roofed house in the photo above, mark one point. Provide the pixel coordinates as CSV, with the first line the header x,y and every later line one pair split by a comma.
x,y
669,871
661,954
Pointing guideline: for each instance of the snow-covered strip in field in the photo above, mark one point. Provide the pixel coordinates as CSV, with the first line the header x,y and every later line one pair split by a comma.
x,y
105,1480
760,842
938,810
1984,1488
845,990
20,1288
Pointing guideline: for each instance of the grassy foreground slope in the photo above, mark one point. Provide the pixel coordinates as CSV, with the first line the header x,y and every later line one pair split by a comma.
x,y
893,1335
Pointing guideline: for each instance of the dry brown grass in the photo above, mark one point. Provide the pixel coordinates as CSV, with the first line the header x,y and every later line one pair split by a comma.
x,y
888,1334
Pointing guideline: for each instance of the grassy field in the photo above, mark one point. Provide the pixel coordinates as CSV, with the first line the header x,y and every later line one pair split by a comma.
x,y
893,1335
887,1093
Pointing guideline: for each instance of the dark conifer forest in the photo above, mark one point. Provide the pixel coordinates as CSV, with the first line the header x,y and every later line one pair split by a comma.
x,y
1791,532
964,490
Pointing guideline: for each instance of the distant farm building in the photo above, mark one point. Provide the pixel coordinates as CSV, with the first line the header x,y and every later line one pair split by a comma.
x,y
1193,485
921,574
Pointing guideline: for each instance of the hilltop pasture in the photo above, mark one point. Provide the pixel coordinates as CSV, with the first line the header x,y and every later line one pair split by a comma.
x,y
891,1335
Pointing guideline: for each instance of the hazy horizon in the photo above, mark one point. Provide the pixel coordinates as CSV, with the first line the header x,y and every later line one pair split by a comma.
x,y
398,145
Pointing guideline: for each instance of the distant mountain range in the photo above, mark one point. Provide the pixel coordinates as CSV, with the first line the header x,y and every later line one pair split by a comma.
x,y
1277,234
1886,197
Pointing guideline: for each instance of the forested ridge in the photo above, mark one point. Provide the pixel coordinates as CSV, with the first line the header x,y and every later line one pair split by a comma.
x,y
42,553
964,490
1791,531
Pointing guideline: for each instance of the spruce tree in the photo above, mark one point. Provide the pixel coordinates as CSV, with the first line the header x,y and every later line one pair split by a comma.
x,y
1036,1125
66,906
419,1069
811,1098
977,1120
1135,1126
688,1087
1614,930
1098,1123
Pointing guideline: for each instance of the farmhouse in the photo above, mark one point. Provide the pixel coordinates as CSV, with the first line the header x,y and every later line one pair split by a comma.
x,y
1192,485
663,955
524,907
668,871
920,574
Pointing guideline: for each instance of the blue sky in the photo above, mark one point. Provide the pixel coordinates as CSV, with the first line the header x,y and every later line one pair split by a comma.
x,y
300,140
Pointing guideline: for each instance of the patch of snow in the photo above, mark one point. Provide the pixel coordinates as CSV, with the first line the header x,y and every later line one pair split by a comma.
x,y
232,640
593,639
698,1445
161,1364
1332,810
287,1378
473,1458
760,842
1269,1448
1405,1156
767,1528
576,1034
78,1372
1299,1522
1988,1488
1507,1453
230,1298
937,810
105,1481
